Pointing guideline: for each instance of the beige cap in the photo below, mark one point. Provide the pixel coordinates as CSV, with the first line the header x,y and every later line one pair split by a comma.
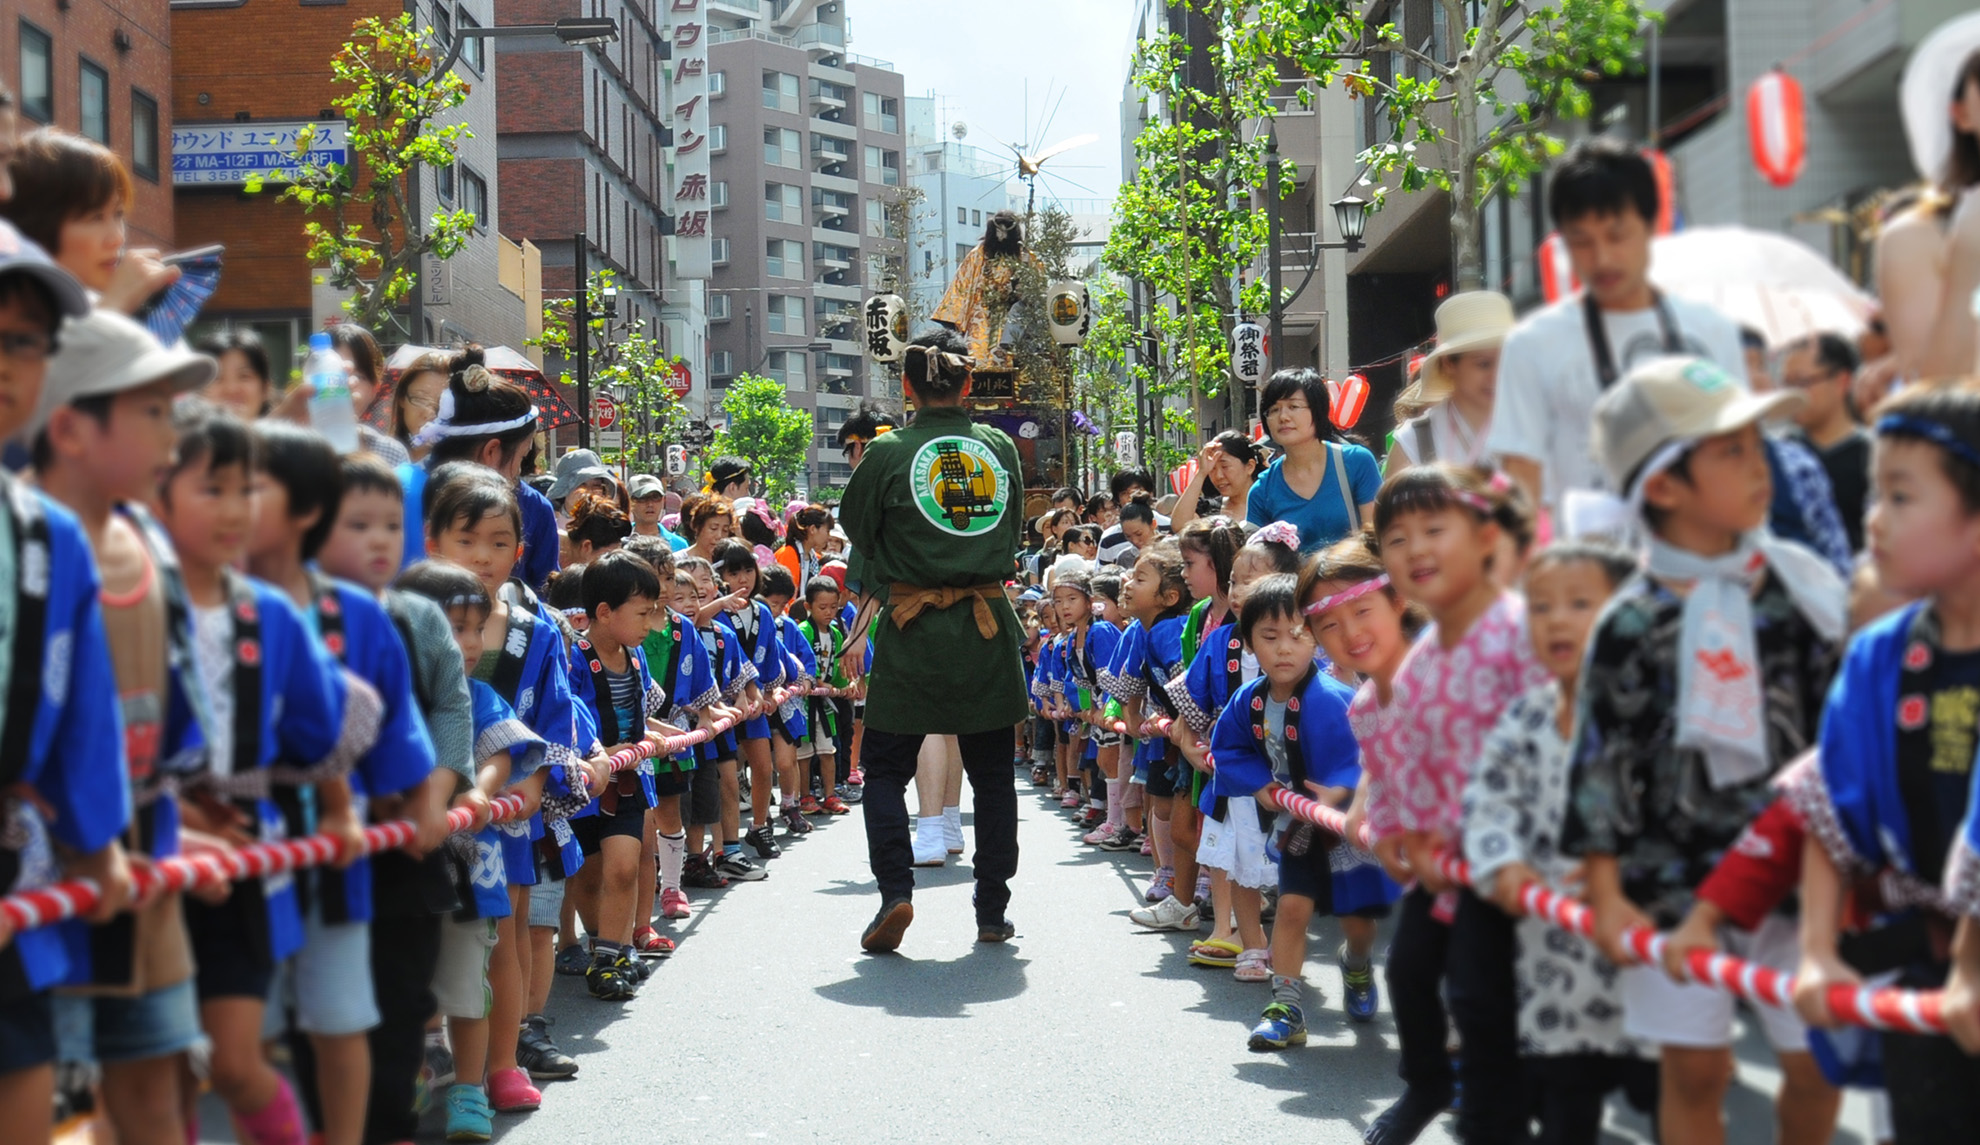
x,y
103,353
1670,400
1474,320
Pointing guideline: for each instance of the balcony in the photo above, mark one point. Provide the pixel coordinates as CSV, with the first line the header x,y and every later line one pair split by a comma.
x,y
825,232
821,38
827,159
824,99
840,291
750,8
841,182
829,208
836,128
832,259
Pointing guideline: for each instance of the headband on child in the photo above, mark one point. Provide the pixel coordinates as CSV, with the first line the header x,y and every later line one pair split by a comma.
x,y
1905,425
1500,484
947,362
442,426
1355,592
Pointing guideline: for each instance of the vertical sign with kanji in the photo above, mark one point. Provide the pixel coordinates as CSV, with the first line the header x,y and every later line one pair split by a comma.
x,y
689,198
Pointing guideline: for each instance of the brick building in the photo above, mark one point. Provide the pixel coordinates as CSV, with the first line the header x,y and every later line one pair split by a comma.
x,y
268,282
101,68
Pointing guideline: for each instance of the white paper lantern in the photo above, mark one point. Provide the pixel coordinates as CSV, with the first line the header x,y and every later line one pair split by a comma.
x,y
886,327
1127,449
1248,352
1067,311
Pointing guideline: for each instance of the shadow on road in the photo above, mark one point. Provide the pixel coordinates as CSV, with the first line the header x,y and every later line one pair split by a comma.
x,y
908,987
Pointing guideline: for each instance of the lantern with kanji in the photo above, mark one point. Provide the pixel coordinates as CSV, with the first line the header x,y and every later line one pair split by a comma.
x,y
1067,310
1127,449
1248,352
1557,279
1775,127
886,327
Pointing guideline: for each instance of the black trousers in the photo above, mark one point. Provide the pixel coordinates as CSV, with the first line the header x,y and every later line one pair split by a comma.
x,y
889,759
1934,1088
1567,1092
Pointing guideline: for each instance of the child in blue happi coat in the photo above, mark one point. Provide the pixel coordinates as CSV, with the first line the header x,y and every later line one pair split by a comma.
x,y
750,623
714,804
1157,595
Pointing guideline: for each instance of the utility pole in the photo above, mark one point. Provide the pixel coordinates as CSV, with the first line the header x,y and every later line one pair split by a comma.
x,y
1272,175
581,314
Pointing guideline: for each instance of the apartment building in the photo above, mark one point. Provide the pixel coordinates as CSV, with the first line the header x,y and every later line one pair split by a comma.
x,y
807,151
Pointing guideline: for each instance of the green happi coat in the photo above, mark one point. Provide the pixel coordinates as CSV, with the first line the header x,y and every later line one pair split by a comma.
x,y
938,505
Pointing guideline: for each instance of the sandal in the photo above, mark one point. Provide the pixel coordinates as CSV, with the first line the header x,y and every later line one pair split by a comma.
x,y
1217,952
650,943
1253,966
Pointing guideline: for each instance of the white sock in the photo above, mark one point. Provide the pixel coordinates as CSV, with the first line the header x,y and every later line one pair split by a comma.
x,y
673,851
928,833
1116,811
953,817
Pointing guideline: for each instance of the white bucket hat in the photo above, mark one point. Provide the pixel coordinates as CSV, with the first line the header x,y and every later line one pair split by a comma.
x,y
1926,92
1474,320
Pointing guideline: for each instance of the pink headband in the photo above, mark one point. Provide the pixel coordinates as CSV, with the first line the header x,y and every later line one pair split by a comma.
x,y
1499,484
1347,594
1278,532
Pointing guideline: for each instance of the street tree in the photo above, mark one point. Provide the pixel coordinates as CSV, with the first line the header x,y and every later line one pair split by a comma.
x,y
766,431
627,362
359,214
1474,117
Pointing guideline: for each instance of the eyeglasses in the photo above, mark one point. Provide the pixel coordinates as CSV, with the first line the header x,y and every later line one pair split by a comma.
x,y
27,349
1808,381
430,405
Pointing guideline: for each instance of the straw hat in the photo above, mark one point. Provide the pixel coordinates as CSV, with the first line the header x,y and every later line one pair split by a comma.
x,y
1474,320
1925,94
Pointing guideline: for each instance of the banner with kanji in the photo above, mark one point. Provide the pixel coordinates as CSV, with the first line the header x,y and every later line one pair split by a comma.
x,y
688,191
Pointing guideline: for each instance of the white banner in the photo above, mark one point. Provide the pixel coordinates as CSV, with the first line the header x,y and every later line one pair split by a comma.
x,y
687,28
209,153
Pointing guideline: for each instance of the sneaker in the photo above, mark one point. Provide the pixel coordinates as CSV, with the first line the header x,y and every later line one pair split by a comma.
x,y
1406,1120
1041,776
609,981
635,968
834,805
1163,886
1203,888
795,822
1099,835
762,841
509,1091
1121,837
538,1055
700,874
674,904
738,868
1169,914
1361,995
883,934
1268,904
1279,1027
852,792
469,1117
856,777
1071,799
573,960
808,805
1003,930
1147,847
438,1067
1093,817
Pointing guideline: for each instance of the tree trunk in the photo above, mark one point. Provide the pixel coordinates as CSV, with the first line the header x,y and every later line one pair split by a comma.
x,y
1467,259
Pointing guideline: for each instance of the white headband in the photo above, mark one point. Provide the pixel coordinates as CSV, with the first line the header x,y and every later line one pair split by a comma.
x,y
442,426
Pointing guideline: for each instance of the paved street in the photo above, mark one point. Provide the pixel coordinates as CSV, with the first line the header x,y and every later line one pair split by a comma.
x,y
770,1025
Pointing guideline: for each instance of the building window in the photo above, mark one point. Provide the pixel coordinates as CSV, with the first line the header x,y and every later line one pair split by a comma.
x,y
927,262
780,91
783,203
785,258
722,363
474,49
880,113
718,138
37,74
443,27
718,308
474,198
718,251
93,102
962,215
144,135
786,367
443,182
718,83
883,166
876,218
784,315
718,193
780,147
976,218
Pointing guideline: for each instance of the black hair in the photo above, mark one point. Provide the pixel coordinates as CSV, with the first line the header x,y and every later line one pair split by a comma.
x,y
691,564
756,531
1954,406
480,398
446,584
565,588
1284,558
1068,493
244,340
1308,384
1355,559
1096,503
1107,583
363,349
1238,445
1429,488
734,556
96,407
1752,339
1274,597
465,494
1833,352
1119,484
616,577
865,424
775,582
1962,168
209,436
809,517
655,552
934,365
1615,563
368,473
1602,176
819,584
726,471
35,295
1140,507
598,520
1656,515
1166,556
1082,534
307,465
1218,540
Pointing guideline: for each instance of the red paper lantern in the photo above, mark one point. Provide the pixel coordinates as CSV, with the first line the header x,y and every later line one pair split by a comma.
x,y
1557,279
1349,400
1775,127
1660,167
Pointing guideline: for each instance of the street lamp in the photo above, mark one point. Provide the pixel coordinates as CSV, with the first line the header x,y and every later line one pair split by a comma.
x,y
573,31
1351,216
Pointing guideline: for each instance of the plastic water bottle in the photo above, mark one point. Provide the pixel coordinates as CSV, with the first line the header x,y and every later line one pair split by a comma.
x,y
330,409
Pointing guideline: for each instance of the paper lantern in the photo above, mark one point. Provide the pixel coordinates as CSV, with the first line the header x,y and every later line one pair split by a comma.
x,y
1660,169
1349,399
1067,311
1182,475
1248,352
1557,279
1127,449
886,327
1775,127
1416,364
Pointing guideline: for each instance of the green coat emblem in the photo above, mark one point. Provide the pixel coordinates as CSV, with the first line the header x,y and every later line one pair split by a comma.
x,y
958,485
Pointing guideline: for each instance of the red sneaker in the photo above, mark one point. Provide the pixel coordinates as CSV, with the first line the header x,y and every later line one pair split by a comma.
x,y
509,1091
808,805
674,904
834,805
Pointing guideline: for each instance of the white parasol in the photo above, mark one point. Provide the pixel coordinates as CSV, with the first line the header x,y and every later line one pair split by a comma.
x,y
1778,285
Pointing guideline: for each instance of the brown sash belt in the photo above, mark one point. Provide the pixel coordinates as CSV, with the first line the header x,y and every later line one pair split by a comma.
x,y
909,601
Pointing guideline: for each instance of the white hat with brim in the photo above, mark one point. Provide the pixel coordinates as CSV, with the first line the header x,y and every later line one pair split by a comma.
x,y
1925,94
1675,401
105,353
1474,320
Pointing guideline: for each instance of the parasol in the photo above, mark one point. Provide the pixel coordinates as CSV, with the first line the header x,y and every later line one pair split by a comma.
x,y
509,365
1778,285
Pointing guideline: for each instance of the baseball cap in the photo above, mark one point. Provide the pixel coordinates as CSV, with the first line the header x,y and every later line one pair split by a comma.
x,y
1670,401
644,485
105,353
21,255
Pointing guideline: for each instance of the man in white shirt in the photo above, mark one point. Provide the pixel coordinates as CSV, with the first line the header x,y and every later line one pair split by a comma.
x,y
1603,200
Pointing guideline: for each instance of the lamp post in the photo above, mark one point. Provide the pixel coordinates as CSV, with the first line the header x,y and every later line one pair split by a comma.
x,y
1351,216
1272,176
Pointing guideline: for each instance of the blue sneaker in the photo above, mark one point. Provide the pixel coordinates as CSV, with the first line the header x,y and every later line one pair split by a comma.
x,y
1279,1027
469,1117
1362,996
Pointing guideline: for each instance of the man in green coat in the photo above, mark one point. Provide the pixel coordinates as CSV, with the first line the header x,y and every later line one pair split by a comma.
x,y
935,512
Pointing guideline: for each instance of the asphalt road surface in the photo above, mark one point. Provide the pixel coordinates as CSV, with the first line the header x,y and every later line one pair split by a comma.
x,y
769,1024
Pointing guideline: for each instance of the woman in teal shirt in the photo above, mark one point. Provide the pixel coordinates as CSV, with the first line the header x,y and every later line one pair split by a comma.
x,y
1325,488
